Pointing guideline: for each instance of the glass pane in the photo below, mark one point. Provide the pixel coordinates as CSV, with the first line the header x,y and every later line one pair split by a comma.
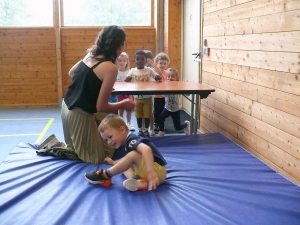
x,y
26,13
107,12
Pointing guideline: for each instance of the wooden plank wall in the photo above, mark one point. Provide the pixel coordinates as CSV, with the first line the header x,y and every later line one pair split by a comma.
x,y
254,65
75,42
172,32
28,71
27,67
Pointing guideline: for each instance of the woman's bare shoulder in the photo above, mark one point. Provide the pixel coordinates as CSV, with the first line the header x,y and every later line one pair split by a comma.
x,y
106,68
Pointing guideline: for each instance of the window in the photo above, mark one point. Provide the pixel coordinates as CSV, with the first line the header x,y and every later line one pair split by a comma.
x,y
26,13
34,13
106,12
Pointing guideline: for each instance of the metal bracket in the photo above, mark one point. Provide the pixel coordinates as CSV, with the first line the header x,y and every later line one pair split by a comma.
x,y
197,56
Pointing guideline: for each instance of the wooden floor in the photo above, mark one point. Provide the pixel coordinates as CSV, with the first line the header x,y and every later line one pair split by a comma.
x,y
33,125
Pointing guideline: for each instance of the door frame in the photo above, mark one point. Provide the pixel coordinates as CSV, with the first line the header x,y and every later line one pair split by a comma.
x,y
197,112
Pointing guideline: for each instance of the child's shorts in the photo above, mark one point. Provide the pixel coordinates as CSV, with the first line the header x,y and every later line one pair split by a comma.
x,y
143,107
122,97
141,171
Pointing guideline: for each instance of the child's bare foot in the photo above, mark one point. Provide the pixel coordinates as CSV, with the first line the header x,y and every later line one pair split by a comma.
x,y
152,133
161,134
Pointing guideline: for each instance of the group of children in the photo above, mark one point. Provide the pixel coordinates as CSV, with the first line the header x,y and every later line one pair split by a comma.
x,y
143,165
150,114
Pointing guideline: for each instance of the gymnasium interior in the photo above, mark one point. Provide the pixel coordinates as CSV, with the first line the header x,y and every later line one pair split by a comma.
x,y
242,166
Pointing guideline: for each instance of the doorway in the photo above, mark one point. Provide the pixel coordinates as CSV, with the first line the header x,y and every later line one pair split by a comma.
x,y
191,20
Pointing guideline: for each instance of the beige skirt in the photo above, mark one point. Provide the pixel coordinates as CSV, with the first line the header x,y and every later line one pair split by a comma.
x,y
81,134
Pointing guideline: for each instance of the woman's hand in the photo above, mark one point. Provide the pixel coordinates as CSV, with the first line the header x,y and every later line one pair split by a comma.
x,y
128,104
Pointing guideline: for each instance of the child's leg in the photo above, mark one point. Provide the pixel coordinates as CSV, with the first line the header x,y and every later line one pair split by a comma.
x,y
128,113
103,177
147,109
143,122
141,172
161,122
178,125
130,173
125,164
176,121
121,112
152,129
139,115
159,105
147,122
129,125
128,116
139,123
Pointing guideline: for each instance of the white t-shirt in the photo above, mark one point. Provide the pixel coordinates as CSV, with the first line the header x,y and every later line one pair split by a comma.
x,y
122,75
146,74
172,103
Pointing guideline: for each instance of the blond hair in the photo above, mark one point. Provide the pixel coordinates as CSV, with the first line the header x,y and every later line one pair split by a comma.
x,y
111,121
161,56
127,67
173,70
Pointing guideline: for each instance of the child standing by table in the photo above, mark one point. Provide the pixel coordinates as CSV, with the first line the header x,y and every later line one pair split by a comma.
x,y
172,108
150,63
123,67
161,61
143,102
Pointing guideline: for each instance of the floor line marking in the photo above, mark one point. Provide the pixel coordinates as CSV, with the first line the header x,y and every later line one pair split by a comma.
x,y
44,131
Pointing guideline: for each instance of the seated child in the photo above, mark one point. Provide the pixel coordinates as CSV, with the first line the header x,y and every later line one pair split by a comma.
x,y
143,165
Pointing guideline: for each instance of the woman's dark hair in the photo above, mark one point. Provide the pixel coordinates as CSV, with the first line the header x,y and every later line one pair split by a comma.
x,y
107,43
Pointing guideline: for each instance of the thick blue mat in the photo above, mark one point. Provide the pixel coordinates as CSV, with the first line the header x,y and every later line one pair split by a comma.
x,y
211,180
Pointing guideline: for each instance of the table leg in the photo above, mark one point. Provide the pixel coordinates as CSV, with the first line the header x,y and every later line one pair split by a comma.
x,y
197,113
192,114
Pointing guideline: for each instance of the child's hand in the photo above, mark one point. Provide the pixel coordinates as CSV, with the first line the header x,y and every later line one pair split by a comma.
x,y
109,161
157,78
128,78
150,62
153,181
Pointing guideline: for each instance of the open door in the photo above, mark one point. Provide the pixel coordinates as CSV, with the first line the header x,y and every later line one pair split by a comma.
x,y
191,19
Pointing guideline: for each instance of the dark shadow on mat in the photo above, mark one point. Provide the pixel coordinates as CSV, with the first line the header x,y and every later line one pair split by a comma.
x,y
169,127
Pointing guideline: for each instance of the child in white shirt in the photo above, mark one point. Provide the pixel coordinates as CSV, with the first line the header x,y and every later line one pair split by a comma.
x,y
143,102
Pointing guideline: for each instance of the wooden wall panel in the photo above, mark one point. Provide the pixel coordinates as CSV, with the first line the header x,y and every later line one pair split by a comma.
x,y
280,22
250,9
76,41
254,66
28,67
172,32
28,61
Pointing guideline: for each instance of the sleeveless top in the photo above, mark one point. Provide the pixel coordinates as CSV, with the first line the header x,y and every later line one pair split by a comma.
x,y
84,89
